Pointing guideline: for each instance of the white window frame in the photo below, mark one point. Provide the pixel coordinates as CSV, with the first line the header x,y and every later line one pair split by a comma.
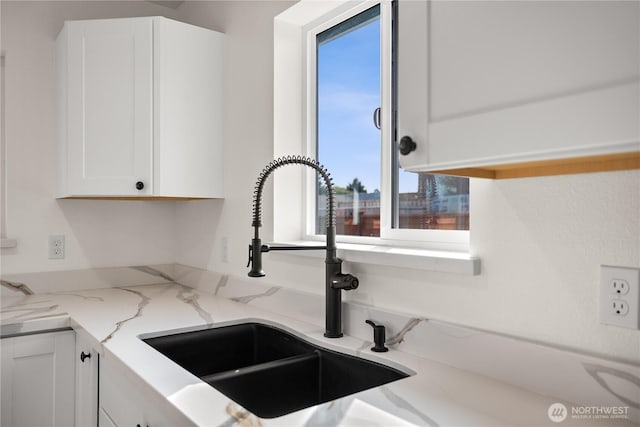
x,y
447,240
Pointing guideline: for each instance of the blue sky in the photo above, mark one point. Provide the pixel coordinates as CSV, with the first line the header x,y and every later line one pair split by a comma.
x,y
348,93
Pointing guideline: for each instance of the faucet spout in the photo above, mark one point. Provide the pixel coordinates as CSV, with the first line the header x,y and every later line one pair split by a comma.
x,y
335,280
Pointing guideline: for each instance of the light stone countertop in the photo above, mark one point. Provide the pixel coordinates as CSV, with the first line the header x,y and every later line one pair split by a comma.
x,y
115,318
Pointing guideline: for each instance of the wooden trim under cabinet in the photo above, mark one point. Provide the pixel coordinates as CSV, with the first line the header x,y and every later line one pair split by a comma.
x,y
589,164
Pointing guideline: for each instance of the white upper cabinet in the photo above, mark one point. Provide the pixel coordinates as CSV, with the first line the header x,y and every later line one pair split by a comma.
x,y
486,84
140,103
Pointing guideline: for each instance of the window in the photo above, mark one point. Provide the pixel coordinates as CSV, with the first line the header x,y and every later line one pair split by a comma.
x,y
353,139
431,202
348,143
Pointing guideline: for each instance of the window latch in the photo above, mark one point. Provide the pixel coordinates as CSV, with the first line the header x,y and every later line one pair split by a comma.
x,y
376,117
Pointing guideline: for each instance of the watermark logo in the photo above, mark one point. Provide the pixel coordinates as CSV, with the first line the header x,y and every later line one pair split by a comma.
x,y
557,412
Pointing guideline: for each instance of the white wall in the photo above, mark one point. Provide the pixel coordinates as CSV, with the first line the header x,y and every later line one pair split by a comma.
x,y
97,233
541,240
248,28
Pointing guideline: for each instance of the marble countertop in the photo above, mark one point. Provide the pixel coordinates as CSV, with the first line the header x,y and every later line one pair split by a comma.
x,y
115,318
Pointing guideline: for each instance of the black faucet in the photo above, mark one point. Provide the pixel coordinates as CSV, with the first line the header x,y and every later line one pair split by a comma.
x,y
335,280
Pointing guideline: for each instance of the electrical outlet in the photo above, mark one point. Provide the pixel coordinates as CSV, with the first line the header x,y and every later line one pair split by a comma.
x,y
56,246
619,286
619,307
620,296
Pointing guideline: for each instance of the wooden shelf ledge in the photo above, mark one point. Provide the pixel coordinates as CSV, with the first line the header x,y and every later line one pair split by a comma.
x,y
599,163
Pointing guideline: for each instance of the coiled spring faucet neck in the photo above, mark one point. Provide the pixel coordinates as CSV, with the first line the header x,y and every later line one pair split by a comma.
x,y
335,280
289,160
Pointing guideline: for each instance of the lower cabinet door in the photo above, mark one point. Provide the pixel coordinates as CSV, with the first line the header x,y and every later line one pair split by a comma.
x,y
38,380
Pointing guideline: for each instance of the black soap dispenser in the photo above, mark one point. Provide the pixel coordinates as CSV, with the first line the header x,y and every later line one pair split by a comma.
x,y
378,337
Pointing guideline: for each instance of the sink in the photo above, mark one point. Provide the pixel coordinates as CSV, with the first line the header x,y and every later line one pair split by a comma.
x,y
211,351
269,371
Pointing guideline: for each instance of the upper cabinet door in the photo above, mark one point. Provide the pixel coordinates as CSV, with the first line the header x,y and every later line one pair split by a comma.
x,y
486,83
110,107
140,105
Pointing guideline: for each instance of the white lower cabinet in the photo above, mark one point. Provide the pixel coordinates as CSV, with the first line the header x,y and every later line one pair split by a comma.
x,y
59,379
125,402
86,364
38,379
120,405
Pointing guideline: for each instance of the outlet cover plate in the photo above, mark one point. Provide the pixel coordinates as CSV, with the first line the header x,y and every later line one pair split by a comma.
x,y
56,246
610,279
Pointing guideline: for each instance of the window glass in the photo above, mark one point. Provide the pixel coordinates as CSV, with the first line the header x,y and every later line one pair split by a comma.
x,y
431,202
349,145
348,142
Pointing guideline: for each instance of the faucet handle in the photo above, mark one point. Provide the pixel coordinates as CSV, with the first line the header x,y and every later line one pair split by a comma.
x,y
378,337
345,282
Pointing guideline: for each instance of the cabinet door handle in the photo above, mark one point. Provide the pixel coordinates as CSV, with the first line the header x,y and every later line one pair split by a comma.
x,y
139,185
406,145
84,355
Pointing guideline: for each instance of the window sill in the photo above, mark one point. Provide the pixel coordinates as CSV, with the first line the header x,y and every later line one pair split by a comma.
x,y
418,259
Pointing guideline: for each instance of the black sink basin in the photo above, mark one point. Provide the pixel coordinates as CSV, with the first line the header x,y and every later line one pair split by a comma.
x,y
269,371
210,351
